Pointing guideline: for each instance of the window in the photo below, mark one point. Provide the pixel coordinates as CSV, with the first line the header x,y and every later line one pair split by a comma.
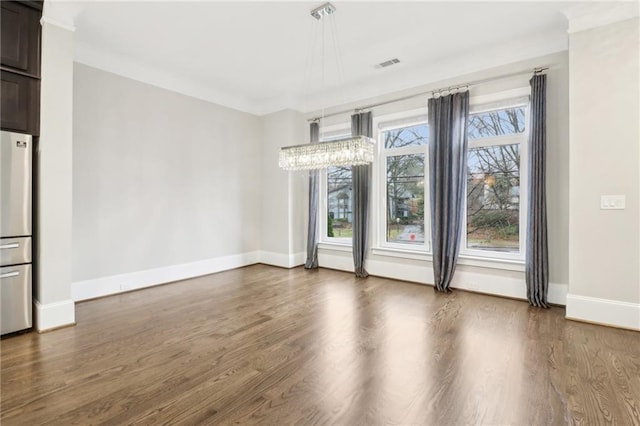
x,y
403,165
339,194
336,185
494,182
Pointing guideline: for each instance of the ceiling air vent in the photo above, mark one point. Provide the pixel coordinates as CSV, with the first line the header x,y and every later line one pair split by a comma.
x,y
388,63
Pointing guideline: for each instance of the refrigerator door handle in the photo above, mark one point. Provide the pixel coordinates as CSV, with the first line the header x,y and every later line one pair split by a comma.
x,y
10,274
9,246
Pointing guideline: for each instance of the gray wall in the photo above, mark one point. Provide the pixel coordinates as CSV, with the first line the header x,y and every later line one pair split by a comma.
x,y
284,194
159,178
605,160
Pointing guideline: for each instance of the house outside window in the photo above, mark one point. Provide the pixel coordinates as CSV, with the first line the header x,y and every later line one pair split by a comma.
x,y
339,195
403,166
336,187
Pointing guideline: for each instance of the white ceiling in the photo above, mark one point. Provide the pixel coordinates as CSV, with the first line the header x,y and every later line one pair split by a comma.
x,y
254,56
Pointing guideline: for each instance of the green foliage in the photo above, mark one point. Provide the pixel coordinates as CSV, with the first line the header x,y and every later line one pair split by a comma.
x,y
330,226
490,219
501,221
508,231
406,220
421,204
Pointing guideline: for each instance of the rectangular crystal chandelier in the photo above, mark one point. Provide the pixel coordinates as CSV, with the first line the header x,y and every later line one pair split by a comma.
x,y
350,151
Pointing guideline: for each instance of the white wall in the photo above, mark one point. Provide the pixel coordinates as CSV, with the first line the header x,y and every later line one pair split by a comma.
x,y
284,194
604,251
53,304
165,186
488,277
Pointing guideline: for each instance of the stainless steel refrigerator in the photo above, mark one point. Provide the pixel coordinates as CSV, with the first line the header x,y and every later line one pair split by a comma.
x,y
15,232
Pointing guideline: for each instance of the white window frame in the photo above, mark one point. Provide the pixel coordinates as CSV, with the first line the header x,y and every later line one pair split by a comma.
x,y
514,98
328,133
474,257
387,123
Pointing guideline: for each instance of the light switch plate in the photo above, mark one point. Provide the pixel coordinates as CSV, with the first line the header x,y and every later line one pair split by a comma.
x,y
612,202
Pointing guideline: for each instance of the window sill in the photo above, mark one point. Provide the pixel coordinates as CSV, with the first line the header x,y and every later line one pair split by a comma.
x,y
492,263
400,253
466,260
335,246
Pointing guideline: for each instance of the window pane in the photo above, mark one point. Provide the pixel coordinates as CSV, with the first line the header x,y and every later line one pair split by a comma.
x,y
495,123
339,191
405,199
493,198
406,136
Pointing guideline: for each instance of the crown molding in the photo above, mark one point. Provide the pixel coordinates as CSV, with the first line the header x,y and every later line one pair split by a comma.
x,y
58,13
51,21
586,16
418,75
130,68
434,71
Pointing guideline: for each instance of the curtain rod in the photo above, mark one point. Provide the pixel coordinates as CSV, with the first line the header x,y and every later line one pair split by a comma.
x,y
432,92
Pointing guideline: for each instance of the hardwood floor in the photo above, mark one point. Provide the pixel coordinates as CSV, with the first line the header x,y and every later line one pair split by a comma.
x,y
263,345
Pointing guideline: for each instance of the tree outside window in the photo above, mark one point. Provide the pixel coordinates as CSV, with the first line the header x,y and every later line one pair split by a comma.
x,y
339,191
493,180
405,153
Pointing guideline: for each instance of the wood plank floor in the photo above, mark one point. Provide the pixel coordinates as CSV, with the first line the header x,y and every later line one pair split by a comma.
x,y
263,345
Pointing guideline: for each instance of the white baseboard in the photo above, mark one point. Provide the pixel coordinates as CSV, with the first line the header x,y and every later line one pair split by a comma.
x,y
54,315
98,287
501,283
558,294
603,311
299,259
504,283
283,260
412,271
336,259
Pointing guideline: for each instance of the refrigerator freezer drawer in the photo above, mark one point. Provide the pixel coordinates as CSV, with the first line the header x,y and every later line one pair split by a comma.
x,y
15,184
15,298
14,251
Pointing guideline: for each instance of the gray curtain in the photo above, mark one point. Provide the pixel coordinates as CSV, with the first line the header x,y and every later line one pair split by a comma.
x,y
361,124
537,258
448,117
312,230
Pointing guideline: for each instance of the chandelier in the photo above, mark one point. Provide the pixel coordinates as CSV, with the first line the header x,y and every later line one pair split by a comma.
x,y
349,151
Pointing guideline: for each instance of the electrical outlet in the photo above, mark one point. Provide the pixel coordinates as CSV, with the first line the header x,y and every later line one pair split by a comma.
x,y
612,202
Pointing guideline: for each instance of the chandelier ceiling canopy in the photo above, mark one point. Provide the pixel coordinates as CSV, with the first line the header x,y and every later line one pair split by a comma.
x,y
349,151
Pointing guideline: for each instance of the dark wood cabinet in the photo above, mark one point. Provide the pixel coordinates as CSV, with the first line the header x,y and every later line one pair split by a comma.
x,y
20,39
20,108
20,66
